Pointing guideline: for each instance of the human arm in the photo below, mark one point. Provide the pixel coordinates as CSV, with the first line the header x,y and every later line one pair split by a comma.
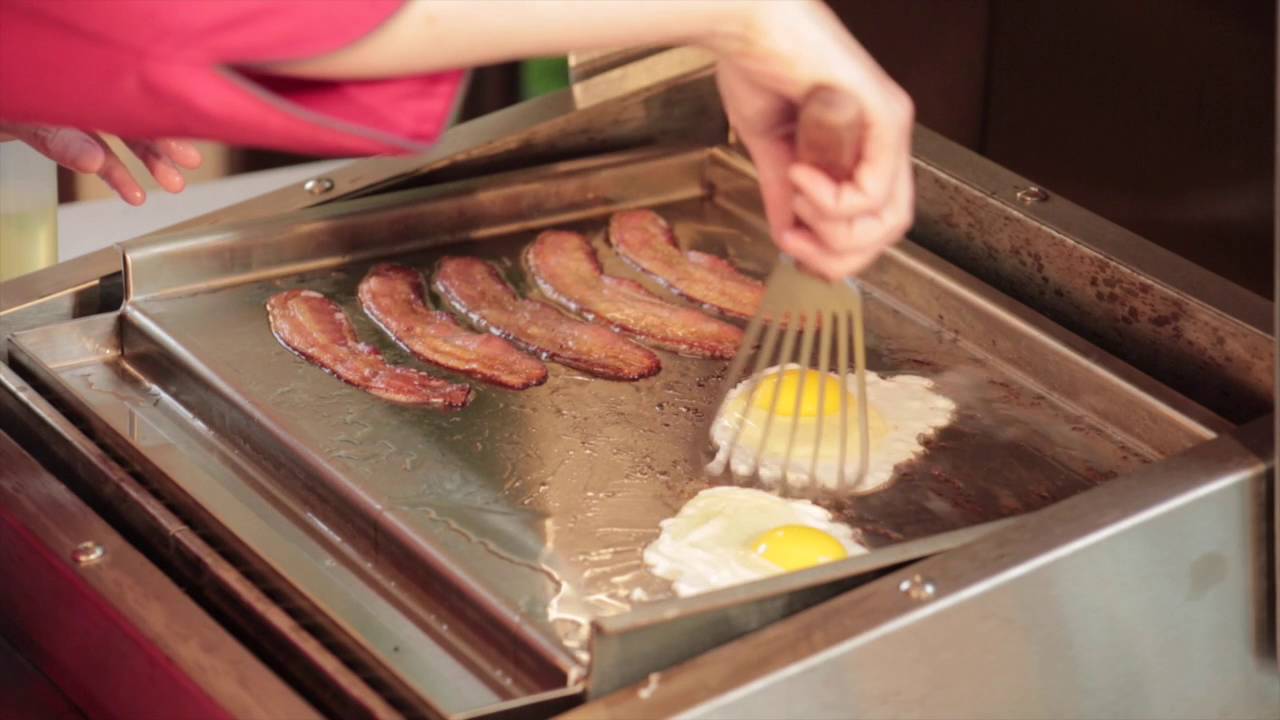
x,y
771,52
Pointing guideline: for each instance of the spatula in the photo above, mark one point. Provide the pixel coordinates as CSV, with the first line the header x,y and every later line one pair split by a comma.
x,y
806,329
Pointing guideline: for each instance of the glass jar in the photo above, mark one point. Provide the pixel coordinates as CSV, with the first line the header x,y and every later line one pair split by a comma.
x,y
28,210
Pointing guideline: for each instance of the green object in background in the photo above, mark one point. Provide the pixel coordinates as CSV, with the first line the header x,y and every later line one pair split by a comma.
x,y
544,75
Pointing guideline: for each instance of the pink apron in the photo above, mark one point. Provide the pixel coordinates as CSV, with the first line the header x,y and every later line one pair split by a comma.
x,y
170,68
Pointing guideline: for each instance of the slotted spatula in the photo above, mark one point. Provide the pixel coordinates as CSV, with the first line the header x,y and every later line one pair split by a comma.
x,y
800,308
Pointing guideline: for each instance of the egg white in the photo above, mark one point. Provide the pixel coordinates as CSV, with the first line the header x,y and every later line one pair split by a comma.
x,y
708,544
908,405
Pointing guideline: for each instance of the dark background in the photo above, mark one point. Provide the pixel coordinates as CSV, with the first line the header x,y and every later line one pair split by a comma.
x,y
1156,114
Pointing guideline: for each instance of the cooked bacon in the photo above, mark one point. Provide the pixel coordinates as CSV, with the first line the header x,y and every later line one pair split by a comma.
x,y
394,296
566,269
317,329
644,239
477,290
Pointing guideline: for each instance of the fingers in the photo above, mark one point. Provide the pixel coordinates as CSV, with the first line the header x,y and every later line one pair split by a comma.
x,y
771,157
833,227
834,198
873,182
760,118
181,152
117,176
88,153
901,213
161,167
84,153
835,242
804,246
162,159
68,147
887,140
774,188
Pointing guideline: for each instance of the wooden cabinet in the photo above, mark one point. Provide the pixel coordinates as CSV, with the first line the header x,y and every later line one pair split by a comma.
x,y
1156,114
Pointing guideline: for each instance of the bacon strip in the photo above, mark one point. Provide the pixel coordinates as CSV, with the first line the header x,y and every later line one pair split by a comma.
x,y
644,239
316,328
566,269
394,296
476,289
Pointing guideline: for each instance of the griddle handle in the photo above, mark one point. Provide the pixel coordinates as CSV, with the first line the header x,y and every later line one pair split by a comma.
x,y
828,131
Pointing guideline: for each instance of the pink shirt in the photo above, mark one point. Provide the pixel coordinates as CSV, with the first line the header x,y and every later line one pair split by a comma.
x,y
170,68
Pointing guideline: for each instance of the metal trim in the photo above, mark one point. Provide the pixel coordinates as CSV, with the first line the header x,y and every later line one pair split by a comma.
x,y
1093,232
242,604
656,636
1200,334
611,110
285,556
717,683
69,276
167,656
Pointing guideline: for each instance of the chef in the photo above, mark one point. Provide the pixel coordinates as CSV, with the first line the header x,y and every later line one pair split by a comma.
x,y
361,77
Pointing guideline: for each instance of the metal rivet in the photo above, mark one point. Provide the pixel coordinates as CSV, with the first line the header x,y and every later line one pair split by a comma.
x,y
87,553
918,587
318,186
1031,195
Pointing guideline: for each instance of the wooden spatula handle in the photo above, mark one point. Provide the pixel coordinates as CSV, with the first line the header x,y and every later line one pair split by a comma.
x,y
828,131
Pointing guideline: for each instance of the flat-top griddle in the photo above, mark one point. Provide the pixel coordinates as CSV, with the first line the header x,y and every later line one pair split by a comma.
x,y
470,552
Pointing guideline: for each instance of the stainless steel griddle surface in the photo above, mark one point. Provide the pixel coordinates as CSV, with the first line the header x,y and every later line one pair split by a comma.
x,y
566,483
539,503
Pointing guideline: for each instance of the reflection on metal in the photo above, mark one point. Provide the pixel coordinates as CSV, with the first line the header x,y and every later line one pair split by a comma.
x,y
1032,195
917,587
1146,597
74,278
660,635
87,553
318,186
1202,335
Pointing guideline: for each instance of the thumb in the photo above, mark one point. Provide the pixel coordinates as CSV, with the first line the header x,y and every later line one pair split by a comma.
x,y
68,147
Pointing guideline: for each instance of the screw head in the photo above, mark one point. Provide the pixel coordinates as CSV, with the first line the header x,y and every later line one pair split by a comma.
x,y
1031,195
87,553
918,587
318,186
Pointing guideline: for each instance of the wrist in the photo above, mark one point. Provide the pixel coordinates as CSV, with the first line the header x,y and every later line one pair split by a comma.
x,y
730,27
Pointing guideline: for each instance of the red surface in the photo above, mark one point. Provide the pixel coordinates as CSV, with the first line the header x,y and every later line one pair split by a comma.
x,y
85,646
140,68
25,693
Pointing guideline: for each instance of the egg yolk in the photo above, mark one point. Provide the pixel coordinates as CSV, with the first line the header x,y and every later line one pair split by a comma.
x,y
787,386
796,547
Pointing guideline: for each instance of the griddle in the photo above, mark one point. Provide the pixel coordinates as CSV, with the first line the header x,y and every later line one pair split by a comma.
x,y
484,556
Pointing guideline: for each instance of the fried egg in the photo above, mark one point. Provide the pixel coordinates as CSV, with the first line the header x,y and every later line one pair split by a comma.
x,y
730,535
902,411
